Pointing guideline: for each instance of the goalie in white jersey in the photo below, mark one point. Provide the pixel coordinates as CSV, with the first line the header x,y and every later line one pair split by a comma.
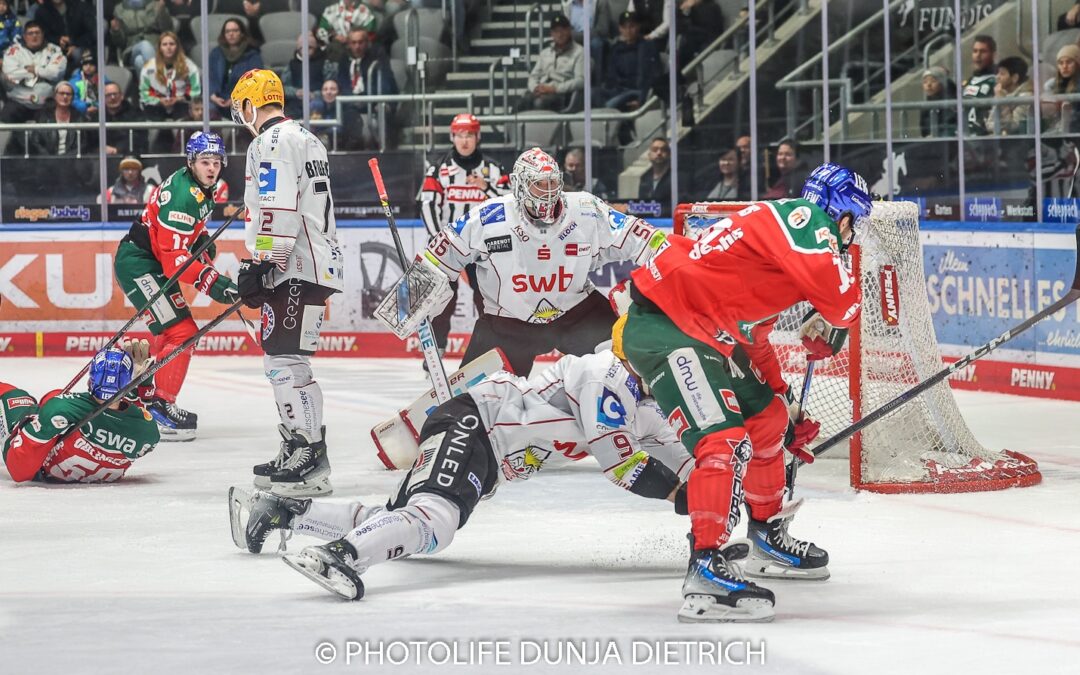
x,y
504,429
295,266
534,250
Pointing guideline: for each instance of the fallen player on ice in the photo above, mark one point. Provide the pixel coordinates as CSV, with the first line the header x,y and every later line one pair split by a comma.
x,y
505,428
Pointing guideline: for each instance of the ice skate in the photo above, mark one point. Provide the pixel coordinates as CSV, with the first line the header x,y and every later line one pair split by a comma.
x,y
778,555
330,566
174,423
714,590
285,450
267,512
306,473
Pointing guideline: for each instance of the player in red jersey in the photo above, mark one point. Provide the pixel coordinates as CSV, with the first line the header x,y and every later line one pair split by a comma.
x,y
696,330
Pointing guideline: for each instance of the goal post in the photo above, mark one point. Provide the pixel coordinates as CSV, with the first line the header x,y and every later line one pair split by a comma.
x,y
925,446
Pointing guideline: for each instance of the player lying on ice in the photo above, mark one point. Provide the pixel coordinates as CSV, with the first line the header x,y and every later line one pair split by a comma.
x,y
694,326
580,406
99,451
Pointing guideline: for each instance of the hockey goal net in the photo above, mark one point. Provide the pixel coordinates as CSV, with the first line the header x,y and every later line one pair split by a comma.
x,y
924,446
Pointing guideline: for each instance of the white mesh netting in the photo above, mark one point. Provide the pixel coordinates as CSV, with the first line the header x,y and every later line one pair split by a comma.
x,y
924,445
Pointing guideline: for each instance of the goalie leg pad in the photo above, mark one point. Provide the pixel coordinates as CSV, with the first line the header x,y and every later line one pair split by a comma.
x,y
299,397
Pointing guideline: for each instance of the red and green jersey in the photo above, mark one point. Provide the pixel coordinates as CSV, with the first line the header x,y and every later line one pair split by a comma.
x,y
99,451
175,216
729,285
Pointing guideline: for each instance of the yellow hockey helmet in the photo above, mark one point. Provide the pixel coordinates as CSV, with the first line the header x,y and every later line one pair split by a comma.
x,y
261,87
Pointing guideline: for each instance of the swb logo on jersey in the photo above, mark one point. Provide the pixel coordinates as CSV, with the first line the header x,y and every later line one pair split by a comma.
x,y
610,411
545,283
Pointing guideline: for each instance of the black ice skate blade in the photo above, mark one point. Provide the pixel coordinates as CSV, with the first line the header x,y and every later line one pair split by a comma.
x,y
345,588
238,498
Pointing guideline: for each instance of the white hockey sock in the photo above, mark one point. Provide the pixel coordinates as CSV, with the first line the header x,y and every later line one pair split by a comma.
x,y
425,525
299,397
330,521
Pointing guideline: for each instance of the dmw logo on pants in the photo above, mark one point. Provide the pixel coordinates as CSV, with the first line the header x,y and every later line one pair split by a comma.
x,y
695,388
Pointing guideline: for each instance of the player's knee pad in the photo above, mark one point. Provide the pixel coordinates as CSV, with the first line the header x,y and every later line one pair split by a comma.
x,y
767,429
437,520
291,370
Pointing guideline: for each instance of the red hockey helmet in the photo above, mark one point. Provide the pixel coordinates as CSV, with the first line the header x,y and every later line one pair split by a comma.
x,y
465,122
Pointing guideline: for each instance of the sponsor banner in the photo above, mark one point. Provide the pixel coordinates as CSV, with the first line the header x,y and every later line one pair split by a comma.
x,y
18,344
1061,210
983,208
1017,378
43,214
942,209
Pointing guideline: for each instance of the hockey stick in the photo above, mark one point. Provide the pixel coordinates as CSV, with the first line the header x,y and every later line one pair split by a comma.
x,y
1069,298
171,281
427,337
793,467
158,365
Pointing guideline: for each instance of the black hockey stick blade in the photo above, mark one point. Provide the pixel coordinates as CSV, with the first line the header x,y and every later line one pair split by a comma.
x,y
1069,298
187,344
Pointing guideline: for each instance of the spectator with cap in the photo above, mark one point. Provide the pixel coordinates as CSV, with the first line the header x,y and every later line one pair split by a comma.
x,y
630,67
31,69
937,86
1060,116
1012,81
130,187
558,74
85,82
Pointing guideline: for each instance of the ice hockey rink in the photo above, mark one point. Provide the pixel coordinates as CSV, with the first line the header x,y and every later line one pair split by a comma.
x,y
142,576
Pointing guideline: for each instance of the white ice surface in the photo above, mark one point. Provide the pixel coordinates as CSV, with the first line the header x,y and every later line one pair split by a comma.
x,y
142,576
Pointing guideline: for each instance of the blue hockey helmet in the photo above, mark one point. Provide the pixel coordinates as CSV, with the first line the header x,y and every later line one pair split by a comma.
x,y
110,371
202,144
838,191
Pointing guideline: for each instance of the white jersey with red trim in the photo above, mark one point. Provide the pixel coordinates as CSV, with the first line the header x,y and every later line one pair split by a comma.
x,y
447,194
581,406
290,212
535,274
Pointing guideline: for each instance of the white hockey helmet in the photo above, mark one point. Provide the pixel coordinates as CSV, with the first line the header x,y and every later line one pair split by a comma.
x,y
537,183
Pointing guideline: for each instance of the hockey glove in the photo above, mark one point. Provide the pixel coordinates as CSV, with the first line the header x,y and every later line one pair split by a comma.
x,y
819,338
801,433
619,297
219,288
250,282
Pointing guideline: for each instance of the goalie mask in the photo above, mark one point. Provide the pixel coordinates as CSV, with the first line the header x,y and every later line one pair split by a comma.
x,y
537,184
839,191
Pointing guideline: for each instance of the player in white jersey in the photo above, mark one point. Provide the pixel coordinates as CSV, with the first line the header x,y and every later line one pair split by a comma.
x,y
506,428
295,266
534,250
460,182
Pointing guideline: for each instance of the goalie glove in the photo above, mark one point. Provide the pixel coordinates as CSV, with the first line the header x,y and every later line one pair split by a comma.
x,y
619,297
422,292
821,339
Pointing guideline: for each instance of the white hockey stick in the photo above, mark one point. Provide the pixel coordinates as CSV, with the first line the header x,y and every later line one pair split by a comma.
x,y
427,337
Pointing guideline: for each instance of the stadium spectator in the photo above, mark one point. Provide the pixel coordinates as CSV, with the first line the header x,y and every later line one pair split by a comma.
x,y
180,136
134,30
52,142
118,109
130,186
31,69
252,10
742,144
1011,81
338,20
937,86
319,70
654,17
574,175
729,187
981,83
324,107
790,173
233,56
10,26
655,184
1060,116
70,25
169,81
85,81
1070,18
630,67
697,23
558,74
364,70
606,15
